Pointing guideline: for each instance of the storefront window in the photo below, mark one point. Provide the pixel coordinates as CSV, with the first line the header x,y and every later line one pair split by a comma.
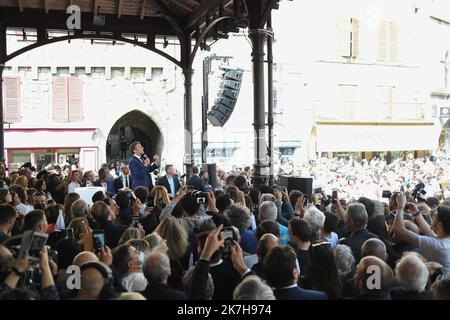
x,y
18,158
69,156
44,157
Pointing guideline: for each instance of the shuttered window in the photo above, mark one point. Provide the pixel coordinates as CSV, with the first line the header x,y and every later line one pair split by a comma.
x,y
11,99
387,42
75,100
67,99
347,37
349,103
386,97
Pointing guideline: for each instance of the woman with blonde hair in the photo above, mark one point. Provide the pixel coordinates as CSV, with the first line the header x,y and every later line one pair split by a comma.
x,y
158,200
80,228
22,181
160,197
179,251
156,242
130,234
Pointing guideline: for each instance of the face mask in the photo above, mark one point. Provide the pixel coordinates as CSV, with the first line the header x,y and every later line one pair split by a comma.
x,y
141,257
39,206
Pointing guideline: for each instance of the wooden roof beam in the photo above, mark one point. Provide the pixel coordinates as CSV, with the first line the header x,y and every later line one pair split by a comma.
x,y
203,10
119,8
182,5
144,3
20,4
165,9
96,6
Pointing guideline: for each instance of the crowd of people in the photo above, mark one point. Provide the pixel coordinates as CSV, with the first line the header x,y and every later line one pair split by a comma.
x,y
370,178
159,238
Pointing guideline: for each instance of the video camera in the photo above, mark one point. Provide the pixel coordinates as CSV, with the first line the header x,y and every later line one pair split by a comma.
x,y
419,192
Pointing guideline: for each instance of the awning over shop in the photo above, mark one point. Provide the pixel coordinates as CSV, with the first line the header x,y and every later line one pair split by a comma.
x,y
358,138
49,138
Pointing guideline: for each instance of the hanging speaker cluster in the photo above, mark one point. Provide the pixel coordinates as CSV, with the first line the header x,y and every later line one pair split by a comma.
x,y
227,97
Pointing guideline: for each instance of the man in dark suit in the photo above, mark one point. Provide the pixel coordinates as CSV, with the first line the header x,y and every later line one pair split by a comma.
x,y
196,181
281,272
141,168
156,270
123,181
170,181
356,223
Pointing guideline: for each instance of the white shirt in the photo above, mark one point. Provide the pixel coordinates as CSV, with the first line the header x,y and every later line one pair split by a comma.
x,y
23,208
142,209
72,186
138,158
437,250
251,260
134,282
124,178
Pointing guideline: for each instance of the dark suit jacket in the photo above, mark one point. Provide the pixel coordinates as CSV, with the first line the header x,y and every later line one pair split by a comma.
x,y
199,281
109,186
198,183
298,293
118,183
113,232
164,182
163,292
356,240
402,294
225,279
140,173
375,296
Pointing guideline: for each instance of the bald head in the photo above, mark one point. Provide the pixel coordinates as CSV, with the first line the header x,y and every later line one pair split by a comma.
x,y
271,240
84,257
374,247
92,281
373,275
265,244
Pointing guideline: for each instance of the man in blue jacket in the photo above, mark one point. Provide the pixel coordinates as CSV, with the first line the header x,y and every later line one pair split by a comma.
x,y
140,166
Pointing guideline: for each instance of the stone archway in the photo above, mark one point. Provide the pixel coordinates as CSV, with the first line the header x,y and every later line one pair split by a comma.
x,y
134,126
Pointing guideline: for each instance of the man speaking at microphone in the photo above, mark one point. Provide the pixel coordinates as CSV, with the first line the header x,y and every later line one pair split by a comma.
x,y
140,166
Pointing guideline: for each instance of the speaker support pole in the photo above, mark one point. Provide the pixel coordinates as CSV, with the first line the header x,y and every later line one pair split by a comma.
x,y
261,163
2,66
205,106
186,52
270,118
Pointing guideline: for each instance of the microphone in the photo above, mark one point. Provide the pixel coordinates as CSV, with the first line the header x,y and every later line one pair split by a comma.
x,y
144,156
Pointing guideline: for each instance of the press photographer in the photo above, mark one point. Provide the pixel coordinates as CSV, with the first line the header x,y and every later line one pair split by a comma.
x,y
193,213
15,271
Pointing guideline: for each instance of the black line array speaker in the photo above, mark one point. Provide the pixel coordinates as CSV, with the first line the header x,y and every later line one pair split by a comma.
x,y
212,173
297,183
227,97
